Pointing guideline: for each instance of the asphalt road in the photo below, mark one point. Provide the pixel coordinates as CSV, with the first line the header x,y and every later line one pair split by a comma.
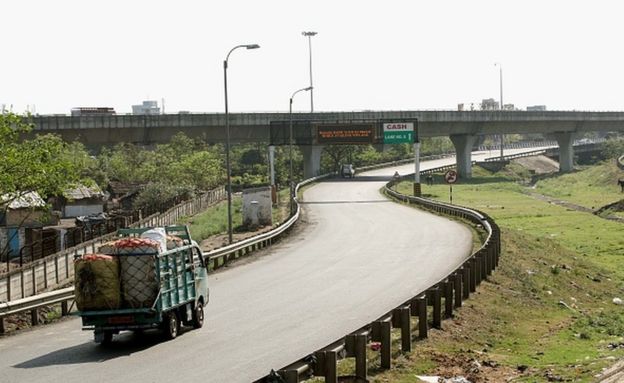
x,y
355,256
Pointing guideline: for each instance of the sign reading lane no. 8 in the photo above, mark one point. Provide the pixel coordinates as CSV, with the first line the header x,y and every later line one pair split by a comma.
x,y
398,132
346,133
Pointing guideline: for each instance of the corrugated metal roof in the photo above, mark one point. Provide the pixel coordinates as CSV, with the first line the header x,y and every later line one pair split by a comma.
x,y
83,192
28,200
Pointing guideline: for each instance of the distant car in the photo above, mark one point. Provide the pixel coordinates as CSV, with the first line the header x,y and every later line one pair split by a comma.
x,y
347,171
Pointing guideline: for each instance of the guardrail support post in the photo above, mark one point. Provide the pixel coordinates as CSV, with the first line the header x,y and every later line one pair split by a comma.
x,y
386,345
34,317
326,365
289,376
448,298
484,264
355,346
477,271
422,317
466,279
492,259
2,328
436,298
361,363
457,280
331,367
401,319
64,308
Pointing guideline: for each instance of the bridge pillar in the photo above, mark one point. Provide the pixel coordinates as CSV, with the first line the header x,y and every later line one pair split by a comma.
x,y
463,153
311,160
566,151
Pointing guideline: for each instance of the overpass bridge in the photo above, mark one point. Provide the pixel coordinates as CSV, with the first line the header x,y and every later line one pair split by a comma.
x,y
463,128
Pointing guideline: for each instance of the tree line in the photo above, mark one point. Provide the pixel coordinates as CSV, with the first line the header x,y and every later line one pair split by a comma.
x,y
180,168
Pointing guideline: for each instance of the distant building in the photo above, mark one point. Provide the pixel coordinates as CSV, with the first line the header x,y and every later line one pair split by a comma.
x,y
536,108
92,111
489,104
147,107
509,107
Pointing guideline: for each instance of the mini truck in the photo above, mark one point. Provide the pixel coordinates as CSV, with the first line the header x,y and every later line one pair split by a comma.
x,y
179,276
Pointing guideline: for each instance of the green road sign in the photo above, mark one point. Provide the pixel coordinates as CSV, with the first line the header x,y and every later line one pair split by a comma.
x,y
398,132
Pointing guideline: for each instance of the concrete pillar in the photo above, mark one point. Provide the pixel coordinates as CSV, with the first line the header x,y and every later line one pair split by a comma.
x,y
311,160
566,151
463,151
272,164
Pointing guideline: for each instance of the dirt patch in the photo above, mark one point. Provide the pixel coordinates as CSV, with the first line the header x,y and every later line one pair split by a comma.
x,y
538,164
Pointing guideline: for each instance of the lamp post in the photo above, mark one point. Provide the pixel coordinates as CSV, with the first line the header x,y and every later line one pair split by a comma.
x,y
500,75
290,147
227,137
309,36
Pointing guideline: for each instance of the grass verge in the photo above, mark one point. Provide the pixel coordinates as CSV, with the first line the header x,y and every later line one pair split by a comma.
x,y
547,313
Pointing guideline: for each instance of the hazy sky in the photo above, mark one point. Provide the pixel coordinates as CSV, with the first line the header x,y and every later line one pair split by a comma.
x,y
377,55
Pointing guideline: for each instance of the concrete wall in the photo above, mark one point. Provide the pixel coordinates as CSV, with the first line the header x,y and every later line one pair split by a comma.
x,y
257,207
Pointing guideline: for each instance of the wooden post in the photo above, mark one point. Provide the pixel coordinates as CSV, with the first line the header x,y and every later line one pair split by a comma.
x,y
361,363
466,279
448,298
457,279
437,308
34,317
331,367
386,345
422,317
289,376
406,329
476,272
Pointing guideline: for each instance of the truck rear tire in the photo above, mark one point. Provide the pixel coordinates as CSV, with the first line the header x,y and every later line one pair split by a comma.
x,y
198,315
171,325
103,338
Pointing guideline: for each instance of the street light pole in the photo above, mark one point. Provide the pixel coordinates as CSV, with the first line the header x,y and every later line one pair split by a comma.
x,y
500,74
290,148
309,36
227,138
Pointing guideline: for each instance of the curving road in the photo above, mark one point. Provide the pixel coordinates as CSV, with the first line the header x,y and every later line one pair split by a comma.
x,y
356,256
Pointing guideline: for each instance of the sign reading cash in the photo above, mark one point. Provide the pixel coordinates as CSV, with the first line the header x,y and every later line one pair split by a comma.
x,y
398,132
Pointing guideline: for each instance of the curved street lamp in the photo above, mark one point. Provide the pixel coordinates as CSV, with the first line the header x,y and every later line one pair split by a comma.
x,y
290,148
227,137
309,35
500,74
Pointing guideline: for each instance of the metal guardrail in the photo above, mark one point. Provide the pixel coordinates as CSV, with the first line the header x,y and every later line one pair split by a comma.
x,y
216,258
221,256
450,291
34,303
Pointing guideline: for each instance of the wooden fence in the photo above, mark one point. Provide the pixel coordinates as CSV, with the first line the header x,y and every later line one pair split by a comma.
x,y
57,269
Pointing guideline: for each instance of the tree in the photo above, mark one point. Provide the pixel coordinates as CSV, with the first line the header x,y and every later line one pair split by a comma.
x,y
45,164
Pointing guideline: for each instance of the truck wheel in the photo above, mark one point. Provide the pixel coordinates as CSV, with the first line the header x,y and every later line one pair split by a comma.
x,y
198,315
172,326
104,338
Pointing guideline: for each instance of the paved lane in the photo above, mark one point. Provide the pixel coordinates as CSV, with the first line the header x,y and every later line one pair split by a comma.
x,y
356,256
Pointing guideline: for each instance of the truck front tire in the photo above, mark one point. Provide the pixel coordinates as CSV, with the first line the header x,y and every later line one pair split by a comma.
x,y
198,315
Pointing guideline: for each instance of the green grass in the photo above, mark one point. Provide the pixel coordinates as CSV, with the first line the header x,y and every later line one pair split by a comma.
x,y
213,221
591,186
550,255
